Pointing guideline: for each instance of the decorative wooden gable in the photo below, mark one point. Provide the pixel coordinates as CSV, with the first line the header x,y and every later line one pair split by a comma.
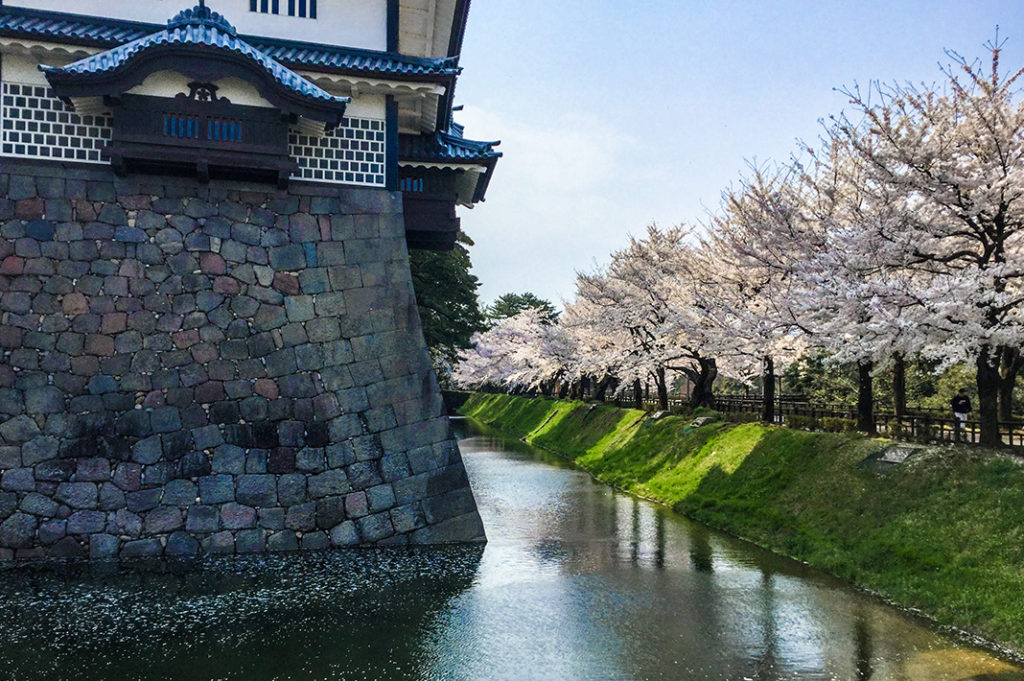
x,y
200,130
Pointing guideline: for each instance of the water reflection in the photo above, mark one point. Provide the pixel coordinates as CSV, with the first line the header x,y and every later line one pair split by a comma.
x,y
622,589
577,583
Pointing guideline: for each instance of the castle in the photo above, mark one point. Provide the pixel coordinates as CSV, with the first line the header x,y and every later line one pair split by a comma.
x,y
210,339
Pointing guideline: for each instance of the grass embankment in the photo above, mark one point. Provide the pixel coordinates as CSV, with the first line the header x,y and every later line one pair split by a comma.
x,y
944,532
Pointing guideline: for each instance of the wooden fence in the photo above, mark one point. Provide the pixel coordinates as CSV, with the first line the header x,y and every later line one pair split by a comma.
x,y
919,423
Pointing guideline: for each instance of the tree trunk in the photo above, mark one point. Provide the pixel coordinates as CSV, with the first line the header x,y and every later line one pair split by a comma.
x,y
865,399
638,394
585,386
767,389
703,380
1010,363
899,387
662,389
988,397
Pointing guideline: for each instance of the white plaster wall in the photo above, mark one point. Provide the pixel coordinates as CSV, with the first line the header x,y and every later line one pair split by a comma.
x,y
351,23
170,83
367,106
20,69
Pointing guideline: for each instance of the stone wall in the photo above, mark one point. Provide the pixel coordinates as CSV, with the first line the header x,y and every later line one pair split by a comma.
x,y
213,368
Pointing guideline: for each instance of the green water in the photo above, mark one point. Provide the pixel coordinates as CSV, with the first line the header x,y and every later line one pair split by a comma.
x,y
576,582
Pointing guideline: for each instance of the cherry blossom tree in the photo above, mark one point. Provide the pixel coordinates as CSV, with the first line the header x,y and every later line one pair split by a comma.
x,y
643,305
956,156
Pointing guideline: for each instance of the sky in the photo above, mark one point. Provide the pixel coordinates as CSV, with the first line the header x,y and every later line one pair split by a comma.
x,y
615,114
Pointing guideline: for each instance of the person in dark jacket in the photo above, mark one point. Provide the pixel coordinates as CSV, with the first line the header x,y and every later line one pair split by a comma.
x,y
961,408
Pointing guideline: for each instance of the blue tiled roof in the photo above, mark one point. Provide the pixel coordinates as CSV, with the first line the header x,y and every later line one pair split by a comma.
x,y
104,32
198,27
445,147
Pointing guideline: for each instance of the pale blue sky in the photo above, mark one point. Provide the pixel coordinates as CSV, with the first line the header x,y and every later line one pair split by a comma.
x,y
614,114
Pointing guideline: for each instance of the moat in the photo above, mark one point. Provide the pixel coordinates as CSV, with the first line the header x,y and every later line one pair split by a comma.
x,y
576,582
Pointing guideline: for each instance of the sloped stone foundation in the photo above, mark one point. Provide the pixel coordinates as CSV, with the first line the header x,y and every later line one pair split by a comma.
x,y
216,368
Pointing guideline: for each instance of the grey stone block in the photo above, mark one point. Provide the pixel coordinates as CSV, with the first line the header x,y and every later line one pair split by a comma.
x,y
18,480
291,489
375,527
236,516
363,475
250,541
315,541
356,505
182,544
51,531
310,459
126,522
382,498
407,518
38,504
162,519
257,490
329,483
345,534
18,531
271,518
103,546
330,512
229,459
92,470
216,489
78,494
180,493
111,498
301,517
284,540
219,543
19,429
202,519
142,548
87,522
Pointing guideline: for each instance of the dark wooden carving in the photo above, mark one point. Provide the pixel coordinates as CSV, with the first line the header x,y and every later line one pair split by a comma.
x,y
203,92
199,133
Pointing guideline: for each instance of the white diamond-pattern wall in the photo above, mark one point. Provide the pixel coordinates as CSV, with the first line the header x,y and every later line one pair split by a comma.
x,y
36,124
353,153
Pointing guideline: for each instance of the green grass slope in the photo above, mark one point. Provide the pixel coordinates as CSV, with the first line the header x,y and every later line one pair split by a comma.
x,y
943,533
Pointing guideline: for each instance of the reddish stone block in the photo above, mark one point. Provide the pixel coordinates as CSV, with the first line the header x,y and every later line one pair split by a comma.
x,y
266,387
74,304
226,286
204,352
29,209
85,366
10,337
286,283
211,263
85,211
185,339
114,322
325,227
12,265
136,202
211,391
98,344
